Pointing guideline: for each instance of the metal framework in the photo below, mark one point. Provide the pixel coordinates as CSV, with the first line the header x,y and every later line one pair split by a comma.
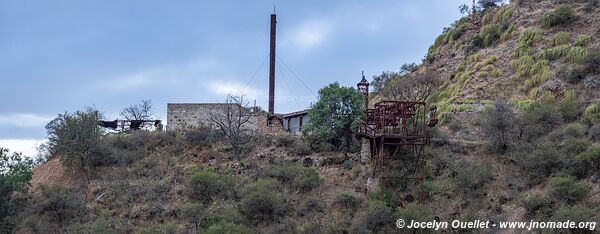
x,y
396,131
128,125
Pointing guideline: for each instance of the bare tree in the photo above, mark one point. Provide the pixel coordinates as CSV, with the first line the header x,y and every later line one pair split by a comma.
x,y
410,87
142,111
231,119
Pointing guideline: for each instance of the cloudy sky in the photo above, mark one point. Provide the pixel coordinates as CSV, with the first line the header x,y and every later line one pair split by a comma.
x,y
64,55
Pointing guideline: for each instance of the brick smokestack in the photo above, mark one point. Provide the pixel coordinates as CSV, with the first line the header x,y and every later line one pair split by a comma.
x,y
272,65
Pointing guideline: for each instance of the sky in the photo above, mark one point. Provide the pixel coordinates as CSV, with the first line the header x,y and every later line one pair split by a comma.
x,y
65,55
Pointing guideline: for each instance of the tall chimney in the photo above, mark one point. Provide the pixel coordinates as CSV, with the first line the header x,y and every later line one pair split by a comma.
x,y
272,65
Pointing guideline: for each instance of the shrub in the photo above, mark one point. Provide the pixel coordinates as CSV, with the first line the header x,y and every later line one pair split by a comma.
x,y
576,213
592,112
76,137
309,180
537,205
285,172
261,202
284,139
228,228
567,189
539,120
538,161
575,130
592,62
594,133
347,201
577,54
471,179
377,217
414,212
583,40
591,155
570,110
563,14
200,136
575,146
300,148
59,204
571,73
348,164
497,124
15,174
561,38
193,212
311,205
204,186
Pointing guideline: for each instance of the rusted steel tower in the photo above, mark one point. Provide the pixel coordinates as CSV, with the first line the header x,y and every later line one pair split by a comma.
x,y
396,131
272,64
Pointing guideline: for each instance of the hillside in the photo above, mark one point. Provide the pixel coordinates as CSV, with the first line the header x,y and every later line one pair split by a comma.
x,y
541,57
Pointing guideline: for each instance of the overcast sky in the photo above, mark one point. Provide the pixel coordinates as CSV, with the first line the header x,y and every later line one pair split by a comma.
x,y
63,55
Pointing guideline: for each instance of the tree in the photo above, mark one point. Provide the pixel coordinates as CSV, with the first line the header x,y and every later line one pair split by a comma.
x,y
487,4
15,174
498,125
76,138
142,111
380,81
334,117
464,9
232,120
410,87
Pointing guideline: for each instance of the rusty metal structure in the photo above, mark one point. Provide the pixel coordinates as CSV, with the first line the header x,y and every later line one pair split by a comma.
x,y
397,136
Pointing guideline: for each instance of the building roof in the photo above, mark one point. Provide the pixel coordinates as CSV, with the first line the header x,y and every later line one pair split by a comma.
x,y
297,113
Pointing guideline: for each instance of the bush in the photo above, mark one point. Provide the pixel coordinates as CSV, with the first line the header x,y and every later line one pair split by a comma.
x,y
200,136
347,201
261,202
300,148
59,204
497,124
15,174
537,205
227,228
566,189
576,213
573,74
193,212
563,14
561,38
414,212
311,205
570,110
378,217
285,172
76,137
204,186
471,179
574,146
592,62
591,156
539,120
538,161
284,139
309,180
594,133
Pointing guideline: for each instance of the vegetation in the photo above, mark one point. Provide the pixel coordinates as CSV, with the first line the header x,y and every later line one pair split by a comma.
x,y
15,174
204,186
334,117
76,138
498,124
563,14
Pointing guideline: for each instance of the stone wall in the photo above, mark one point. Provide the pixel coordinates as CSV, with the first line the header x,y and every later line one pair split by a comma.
x,y
187,115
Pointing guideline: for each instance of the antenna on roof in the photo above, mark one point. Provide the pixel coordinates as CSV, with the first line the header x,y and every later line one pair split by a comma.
x,y
274,5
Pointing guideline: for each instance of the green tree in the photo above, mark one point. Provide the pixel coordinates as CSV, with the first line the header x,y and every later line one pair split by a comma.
x,y
337,113
15,174
76,138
